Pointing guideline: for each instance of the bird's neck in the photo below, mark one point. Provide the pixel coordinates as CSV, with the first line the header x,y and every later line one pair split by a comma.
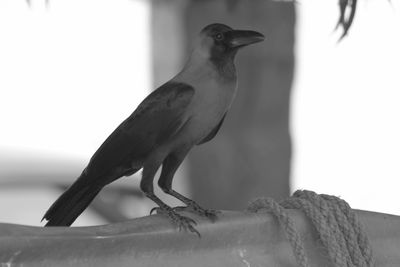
x,y
224,63
225,68
203,65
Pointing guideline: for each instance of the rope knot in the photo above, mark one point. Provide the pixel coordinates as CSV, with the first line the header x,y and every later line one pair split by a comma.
x,y
336,223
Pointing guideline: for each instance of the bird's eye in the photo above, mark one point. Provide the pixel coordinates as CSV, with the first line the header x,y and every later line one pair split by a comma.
x,y
219,36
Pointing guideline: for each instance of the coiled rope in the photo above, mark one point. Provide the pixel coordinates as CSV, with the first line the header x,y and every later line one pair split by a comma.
x,y
336,223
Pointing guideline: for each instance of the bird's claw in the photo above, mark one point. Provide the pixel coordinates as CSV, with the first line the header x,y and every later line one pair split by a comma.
x,y
184,223
155,209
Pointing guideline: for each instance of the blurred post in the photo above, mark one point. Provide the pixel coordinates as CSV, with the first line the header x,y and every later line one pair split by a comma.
x,y
251,154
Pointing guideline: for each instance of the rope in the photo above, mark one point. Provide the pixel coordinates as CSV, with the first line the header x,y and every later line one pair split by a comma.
x,y
336,223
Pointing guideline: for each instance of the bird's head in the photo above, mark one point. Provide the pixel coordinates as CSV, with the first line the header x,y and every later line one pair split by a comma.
x,y
219,42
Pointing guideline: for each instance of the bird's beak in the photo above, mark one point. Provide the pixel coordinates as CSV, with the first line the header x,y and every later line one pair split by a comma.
x,y
239,38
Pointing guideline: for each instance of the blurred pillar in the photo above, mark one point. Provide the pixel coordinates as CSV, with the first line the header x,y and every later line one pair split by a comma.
x,y
251,154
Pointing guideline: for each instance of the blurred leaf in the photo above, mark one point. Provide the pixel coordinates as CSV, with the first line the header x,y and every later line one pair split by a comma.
x,y
347,12
342,7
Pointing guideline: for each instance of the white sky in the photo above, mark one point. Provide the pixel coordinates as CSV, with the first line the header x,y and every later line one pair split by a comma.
x,y
71,73
63,68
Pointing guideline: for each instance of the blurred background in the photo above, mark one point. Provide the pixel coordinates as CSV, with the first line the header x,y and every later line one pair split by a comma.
x,y
311,112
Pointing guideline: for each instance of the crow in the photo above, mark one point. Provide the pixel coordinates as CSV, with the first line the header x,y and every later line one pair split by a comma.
x,y
186,111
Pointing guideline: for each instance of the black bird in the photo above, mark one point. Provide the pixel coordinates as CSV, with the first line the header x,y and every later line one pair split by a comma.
x,y
186,111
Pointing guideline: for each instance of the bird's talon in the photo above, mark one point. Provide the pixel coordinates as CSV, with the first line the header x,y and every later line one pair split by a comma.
x,y
155,209
183,223
193,230
191,221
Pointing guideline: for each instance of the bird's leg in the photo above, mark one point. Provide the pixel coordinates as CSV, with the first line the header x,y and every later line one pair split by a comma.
x,y
146,186
170,165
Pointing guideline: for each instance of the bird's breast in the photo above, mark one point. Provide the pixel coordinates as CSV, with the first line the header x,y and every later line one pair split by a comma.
x,y
212,99
214,94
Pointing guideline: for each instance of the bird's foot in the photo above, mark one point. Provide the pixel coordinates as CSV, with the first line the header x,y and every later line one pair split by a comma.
x,y
184,223
194,207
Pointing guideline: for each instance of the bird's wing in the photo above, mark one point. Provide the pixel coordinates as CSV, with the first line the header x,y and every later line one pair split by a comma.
x,y
213,133
156,119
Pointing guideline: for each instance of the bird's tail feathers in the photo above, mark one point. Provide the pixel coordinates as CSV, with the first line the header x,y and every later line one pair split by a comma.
x,y
71,204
